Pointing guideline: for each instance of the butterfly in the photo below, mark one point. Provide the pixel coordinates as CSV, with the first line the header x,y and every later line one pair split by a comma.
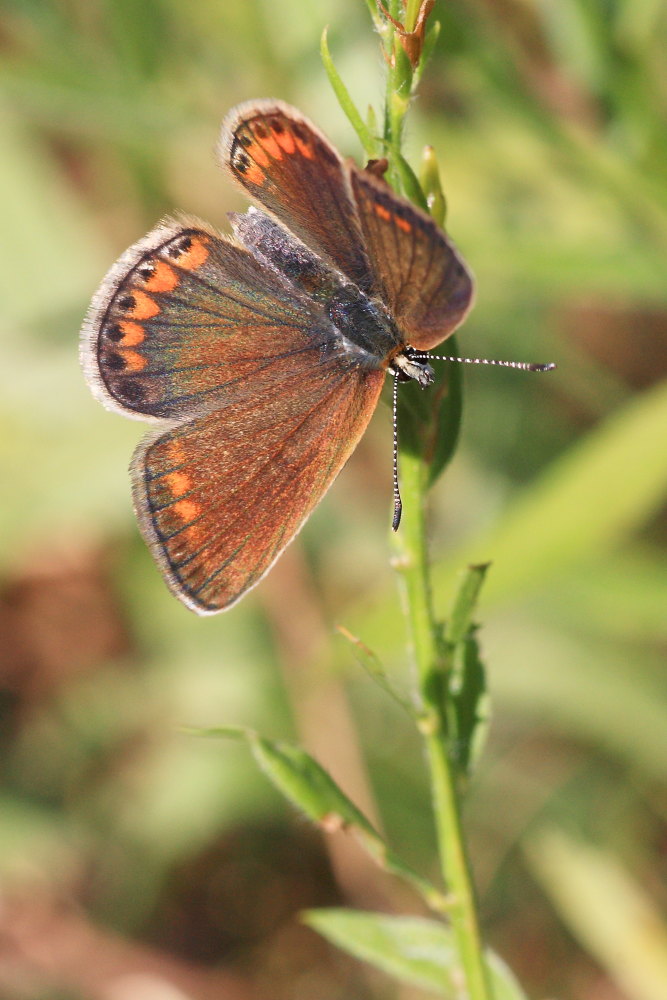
x,y
260,358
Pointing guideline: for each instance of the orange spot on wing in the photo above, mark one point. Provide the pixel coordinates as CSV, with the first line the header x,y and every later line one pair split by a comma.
x,y
163,278
134,362
382,212
194,256
176,451
285,140
254,174
258,155
304,148
402,224
179,483
133,334
271,146
144,306
186,510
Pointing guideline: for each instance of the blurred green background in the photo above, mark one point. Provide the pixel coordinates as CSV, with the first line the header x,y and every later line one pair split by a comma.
x,y
138,861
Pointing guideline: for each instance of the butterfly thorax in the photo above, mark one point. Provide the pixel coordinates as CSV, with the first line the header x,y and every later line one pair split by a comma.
x,y
363,325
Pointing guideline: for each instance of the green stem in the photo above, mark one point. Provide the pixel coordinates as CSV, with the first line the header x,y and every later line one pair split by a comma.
x,y
399,89
431,652
456,868
432,664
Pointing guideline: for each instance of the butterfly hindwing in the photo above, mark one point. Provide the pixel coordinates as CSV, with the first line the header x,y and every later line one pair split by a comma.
x,y
219,498
424,281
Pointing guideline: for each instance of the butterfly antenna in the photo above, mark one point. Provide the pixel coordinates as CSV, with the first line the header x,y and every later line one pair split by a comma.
x,y
398,503
527,366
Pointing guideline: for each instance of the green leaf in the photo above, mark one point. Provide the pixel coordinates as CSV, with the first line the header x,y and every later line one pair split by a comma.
x,y
429,179
411,949
468,705
366,138
460,620
299,778
409,182
375,669
430,42
306,784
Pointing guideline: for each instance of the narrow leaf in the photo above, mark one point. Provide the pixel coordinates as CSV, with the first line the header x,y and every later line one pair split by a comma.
x,y
465,602
347,104
429,178
306,784
409,182
469,705
411,949
430,42
372,665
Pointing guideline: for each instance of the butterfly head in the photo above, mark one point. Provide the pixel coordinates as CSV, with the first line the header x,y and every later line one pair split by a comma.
x,y
410,364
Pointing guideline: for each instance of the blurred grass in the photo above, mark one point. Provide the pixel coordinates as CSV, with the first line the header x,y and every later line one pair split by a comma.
x,y
549,122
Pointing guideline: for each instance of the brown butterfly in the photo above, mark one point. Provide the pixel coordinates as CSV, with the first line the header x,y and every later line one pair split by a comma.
x,y
261,358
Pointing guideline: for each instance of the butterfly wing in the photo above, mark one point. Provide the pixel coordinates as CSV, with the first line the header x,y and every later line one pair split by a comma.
x,y
220,497
422,278
259,403
287,165
185,318
350,218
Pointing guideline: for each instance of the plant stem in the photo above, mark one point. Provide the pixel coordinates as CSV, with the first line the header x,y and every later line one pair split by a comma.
x,y
430,652
399,88
432,664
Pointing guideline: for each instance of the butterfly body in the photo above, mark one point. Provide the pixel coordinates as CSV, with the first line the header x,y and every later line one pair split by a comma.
x,y
262,358
365,327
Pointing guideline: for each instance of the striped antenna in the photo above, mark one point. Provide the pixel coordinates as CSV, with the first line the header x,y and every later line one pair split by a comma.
x,y
398,503
527,366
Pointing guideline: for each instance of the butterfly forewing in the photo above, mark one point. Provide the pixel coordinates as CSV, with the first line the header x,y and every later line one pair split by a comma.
x,y
186,317
423,279
262,402
285,163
